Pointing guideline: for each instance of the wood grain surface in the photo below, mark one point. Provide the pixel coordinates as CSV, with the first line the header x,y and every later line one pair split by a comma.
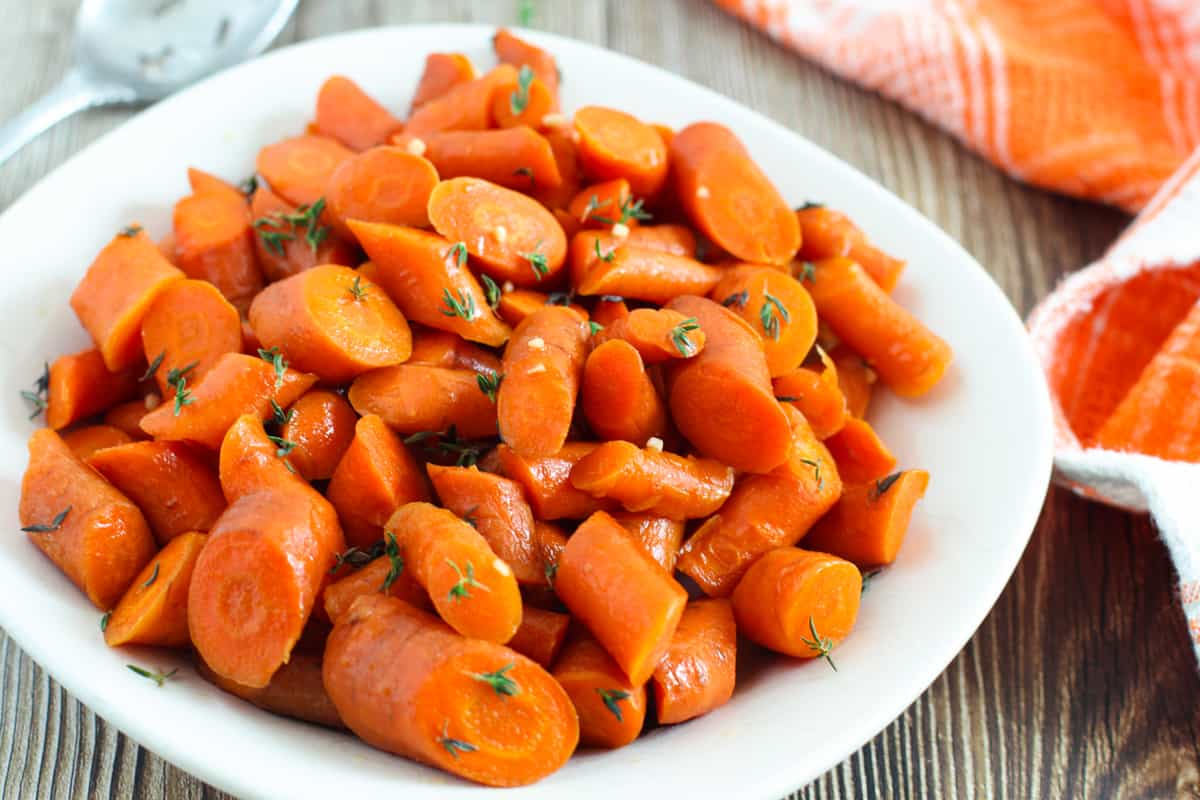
x,y
1080,683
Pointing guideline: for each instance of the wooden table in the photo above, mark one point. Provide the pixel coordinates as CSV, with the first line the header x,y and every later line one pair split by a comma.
x,y
1081,682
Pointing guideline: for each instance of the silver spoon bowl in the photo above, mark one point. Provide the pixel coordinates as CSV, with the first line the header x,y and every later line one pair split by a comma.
x,y
131,52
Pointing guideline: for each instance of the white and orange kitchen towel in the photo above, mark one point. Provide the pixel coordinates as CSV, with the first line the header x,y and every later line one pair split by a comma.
x,y
1099,99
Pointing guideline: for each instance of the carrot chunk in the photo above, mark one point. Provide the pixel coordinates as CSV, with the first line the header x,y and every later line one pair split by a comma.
x,y
697,673
658,334
541,635
614,144
214,242
654,481
348,114
154,610
414,398
288,241
611,708
868,524
318,429
80,385
295,690
547,481
860,454
188,327
443,71
777,306
298,169
90,438
620,400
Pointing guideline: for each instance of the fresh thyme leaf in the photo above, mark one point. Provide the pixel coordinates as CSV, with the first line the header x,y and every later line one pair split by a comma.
x,y
541,268
447,443
357,290
391,549
465,581
808,272
611,698
54,525
525,12
787,398
275,358
35,400
153,368
153,577
463,307
558,299
40,396
278,415
159,678
454,746
284,446
130,231
491,291
501,683
773,314
551,571
632,209
273,240
607,259
518,101
867,577
822,645
183,395
250,185
594,204
737,300
469,517
104,621
458,252
306,217
528,173
679,335
612,298
816,465
883,484
174,376
594,327
42,384
357,556
809,205
489,383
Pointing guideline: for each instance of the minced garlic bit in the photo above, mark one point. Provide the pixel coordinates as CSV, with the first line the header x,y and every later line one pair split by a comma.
x,y
501,567
554,120
152,400
654,443
701,191
620,230
537,343
501,234
508,286
416,146
536,369
482,246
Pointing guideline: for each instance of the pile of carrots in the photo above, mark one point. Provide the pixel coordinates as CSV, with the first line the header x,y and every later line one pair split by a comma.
x,y
483,434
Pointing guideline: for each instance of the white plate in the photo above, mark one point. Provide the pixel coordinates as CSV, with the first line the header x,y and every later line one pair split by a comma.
x,y
984,434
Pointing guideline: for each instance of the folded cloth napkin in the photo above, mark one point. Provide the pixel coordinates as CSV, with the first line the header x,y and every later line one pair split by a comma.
x,y
1094,98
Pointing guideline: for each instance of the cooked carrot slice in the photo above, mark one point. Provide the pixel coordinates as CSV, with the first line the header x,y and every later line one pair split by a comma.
x,y
867,526
588,247
777,306
383,184
427,277
127,417
214,242
815,393
518,304
348,114
385,574
298,169
285,247
697,673
319,429
620,400
640,273
657,334
518,158
443,71
330,321
558,197
154,610
826,233
608,310
601,205
88,529
295,690
112,299
518,52
375,476
856,379
614,144
464,107
524,100
860,454
441,349
90,438
547,481
80,385
473,590
541,635
654,481
250,461
173,484
728,197
659,536
202,181
412,398
237,384
189,326
628,602
611,708
797,602
407,684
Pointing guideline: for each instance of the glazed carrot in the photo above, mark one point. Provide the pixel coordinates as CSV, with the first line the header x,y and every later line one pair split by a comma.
x,y
628,602
619,398
560,196
518,304
298,169
614,144
665,131
443,71
518,52
659,536
601,205
257,580
611,708
427,277
517,158
867,526
797,602
1156,416
202,181
250,461
127,417
547,481
764,512
330,321
284,244
551,542
346,113
90,438
173,484
908,356
295,690
696,674
237,384
826,233
384,575
654,481
80,386
463,107
860,454
495,507
188,327
214,242
406,683
473,590
441,349
674,239
814,393
112,299
383,184
644,274
856,380
609,310
320,427
542,367
412,398
722,400
512,236
375,476
154,610
92,532
524,100
541,635
778,308
728,197
588,247
657,334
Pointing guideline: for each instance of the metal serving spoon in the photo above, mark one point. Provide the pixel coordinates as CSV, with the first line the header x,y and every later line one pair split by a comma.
x,y
130,52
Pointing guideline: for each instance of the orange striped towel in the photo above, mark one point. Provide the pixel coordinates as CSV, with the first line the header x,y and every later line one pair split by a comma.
x,y
1094,98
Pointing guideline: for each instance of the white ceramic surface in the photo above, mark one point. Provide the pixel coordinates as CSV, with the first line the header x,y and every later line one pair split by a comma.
x,y
983,434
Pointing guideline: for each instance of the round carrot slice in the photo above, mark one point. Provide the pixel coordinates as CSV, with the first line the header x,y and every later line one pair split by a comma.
x,y
383,184
154,610
777,306
298,169
613,144
189,326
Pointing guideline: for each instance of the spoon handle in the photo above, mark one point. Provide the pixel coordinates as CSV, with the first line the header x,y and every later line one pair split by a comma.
x,y
75,92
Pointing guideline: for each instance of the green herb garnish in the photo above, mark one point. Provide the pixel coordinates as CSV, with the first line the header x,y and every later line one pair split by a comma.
x,y
501,683
39,398
822,645
275,358
458,252
284,447
883,484
130,231
489,383
54,525
594,327
816,465
611,698
518,101
773,314
679,335
463,307
153,368
104,621
808,272
183,395
491,291
357,556
391,549
159,678
541,268
528,173
632,209
594,204
607,259
454,746
153,577
357,290
737,300
279,416
465,581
